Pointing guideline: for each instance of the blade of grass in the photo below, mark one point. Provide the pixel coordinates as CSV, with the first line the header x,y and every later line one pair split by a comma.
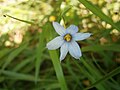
x,y
39,53
96,10
74,75
96,73
66,10
58,69
4,52
23,63
18,76
112,47
52,86
93,72
25,21
107,76
88,75
100,69
21,76
13,54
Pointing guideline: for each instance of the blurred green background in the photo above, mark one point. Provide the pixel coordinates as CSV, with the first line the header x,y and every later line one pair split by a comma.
x,y
25,29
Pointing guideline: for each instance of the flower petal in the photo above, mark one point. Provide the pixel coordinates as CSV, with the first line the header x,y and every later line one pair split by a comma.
x,y
74,50
55,43
72,29
63,51
58,28
81,36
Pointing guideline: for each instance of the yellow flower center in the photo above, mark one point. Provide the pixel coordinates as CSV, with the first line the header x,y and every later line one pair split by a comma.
x,y
67,37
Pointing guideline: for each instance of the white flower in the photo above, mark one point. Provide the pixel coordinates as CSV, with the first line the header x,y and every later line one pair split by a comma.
x,y
67,41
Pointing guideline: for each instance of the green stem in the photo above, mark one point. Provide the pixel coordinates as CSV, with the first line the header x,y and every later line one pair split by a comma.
x,y
58,69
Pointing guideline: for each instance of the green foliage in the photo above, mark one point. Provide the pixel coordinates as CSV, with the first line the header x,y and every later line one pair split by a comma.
x,y
26,63
96,10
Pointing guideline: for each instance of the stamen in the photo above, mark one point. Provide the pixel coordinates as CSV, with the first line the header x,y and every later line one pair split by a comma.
x,y
67,37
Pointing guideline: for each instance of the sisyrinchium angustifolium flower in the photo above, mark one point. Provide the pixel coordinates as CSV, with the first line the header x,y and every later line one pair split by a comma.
x,y
67,41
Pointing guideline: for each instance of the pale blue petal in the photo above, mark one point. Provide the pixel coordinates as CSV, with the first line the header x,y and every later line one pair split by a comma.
x,y
74,50
58,28
72,29
81,36
63,51
55,43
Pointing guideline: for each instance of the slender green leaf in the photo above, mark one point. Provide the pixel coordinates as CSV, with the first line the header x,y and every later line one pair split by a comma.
x,y
23,63
107,76
112,47
96,10
52,86
20,19
13,54
95,73
18,75
88,75
39,53
4,52
66,10
73,74
21,76
58,69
